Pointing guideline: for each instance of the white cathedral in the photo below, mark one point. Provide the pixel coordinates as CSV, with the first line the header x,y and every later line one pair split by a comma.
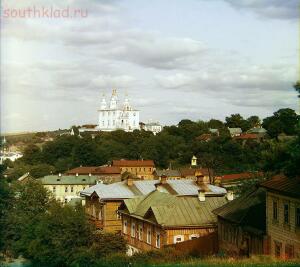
x,y
113,116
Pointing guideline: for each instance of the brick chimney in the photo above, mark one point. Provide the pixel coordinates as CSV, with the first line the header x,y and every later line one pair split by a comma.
x,y
163,179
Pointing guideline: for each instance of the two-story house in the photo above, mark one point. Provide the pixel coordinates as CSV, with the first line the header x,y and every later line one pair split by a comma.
x,y
102,201
160,219
141,168
283,216
67,187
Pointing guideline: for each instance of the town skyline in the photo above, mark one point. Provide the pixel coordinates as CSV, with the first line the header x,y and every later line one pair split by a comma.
x,y
172,66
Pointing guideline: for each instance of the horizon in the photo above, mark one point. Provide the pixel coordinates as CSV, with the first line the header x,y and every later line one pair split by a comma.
x,y
179,61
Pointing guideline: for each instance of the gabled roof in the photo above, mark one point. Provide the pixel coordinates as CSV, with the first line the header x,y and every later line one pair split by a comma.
x,y
133,163
121,190
283,185
68,180
247,210
257,130
241,176
172,211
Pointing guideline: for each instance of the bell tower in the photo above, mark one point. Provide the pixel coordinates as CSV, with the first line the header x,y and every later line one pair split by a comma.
x,y
113,100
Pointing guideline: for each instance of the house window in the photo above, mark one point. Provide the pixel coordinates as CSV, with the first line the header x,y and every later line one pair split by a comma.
x,y
149,235
72,189
158,240
125,227
54,189
150,169
275,210
297,217
194,236
132,229
277,249
286,213
140,232
289,251
66,200
66,189
178,238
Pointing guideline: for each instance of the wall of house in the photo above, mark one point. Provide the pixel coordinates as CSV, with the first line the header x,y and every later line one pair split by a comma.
x,y
284,237
234,241
62,192
141,172
104,215
167,237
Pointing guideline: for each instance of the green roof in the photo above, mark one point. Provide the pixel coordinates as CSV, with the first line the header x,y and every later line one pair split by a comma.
x,y
174,211
68,179
248,210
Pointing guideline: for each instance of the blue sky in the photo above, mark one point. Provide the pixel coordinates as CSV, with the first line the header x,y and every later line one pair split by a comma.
x,y
176,59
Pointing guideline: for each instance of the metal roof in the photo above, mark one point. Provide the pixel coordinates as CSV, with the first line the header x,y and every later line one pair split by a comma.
x,y
68,180
172,211
121,190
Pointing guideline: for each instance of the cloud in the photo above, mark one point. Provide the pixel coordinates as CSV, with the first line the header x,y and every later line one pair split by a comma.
x,y
274,9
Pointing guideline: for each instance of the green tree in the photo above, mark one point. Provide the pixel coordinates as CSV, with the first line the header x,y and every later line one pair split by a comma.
x,y
283,121
237,121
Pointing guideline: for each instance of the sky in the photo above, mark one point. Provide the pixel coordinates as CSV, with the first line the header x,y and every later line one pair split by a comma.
x,y
191,59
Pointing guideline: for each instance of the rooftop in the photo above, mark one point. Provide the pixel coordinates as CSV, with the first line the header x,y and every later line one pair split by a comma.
x,y
122,190
247,210
133,163
283,185
96,170
171,211
68,179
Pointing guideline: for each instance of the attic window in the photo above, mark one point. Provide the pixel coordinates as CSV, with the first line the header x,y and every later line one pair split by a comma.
x,y
83,179
58,179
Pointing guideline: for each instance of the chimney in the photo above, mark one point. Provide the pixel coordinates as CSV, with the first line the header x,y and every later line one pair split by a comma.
x,y
59,174
163,179
229,195
199,177
201,195
129,181
90,174
76,174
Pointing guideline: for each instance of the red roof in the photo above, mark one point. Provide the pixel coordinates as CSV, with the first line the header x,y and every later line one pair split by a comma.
x,y
133,163
247,136
95,170
204,137
240,176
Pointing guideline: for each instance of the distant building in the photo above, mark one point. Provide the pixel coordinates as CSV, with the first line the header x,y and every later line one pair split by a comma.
x,y
112,116
261,132
214,131
141,168
104,174
234,132
283,216
153,127
160,219
204,137
10,156
171,174
194,161
242,225
102,201
231,181
66,187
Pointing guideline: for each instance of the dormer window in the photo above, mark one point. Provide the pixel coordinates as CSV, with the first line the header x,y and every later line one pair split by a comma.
x,y
57,179
83,179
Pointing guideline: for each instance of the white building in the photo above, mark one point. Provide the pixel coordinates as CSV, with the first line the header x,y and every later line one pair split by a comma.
x,y
153,127
113,116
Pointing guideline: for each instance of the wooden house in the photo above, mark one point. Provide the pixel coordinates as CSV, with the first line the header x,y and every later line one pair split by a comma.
x,y
283,216
141,168
242,225
102,201
160,219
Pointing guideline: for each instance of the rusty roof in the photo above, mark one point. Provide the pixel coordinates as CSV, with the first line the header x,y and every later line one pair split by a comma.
x,y
283,185
133,163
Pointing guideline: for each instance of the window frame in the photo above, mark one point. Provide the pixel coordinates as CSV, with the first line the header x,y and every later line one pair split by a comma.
x,y
157,240
149,235
132,230
176,237
125,225
286,213
275,210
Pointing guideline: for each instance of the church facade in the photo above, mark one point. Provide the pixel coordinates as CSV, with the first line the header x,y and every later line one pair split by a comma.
x,y
114,116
